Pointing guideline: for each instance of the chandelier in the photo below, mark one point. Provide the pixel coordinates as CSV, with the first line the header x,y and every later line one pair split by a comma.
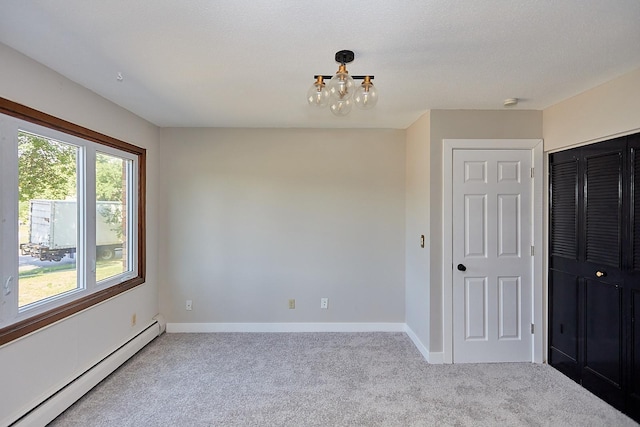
x,y
341,92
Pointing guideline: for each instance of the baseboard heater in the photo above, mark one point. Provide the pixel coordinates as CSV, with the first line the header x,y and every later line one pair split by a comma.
x,y
59,401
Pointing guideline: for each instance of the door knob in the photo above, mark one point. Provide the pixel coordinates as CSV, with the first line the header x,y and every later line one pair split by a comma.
x,y
600,273
461,267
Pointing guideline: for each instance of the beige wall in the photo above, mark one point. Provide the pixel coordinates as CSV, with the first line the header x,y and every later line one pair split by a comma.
x,y
461,124
253,217
417,197
603,112
42,362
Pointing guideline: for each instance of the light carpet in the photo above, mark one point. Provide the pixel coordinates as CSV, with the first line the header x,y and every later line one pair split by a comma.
x,y
327,379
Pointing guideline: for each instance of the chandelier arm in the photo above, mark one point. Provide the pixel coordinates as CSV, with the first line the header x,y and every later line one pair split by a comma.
x,y
328,77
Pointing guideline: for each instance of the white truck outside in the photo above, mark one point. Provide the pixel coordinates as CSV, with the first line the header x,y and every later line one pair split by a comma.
x,y
53,229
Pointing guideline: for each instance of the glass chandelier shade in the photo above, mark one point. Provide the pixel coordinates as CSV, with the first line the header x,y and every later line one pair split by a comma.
x,y
341,85
366,95
341,107
318,94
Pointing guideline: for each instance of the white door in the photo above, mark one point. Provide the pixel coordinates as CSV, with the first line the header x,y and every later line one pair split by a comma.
x,y
492,260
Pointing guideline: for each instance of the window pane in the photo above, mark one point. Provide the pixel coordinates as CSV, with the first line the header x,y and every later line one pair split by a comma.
x,y
48,214
112,218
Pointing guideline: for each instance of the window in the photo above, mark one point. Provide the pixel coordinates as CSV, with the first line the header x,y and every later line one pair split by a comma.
x,y
71,219
113,216
47,218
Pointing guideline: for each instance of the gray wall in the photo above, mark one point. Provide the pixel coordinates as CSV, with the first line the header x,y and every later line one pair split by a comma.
x,y
417,200
253,217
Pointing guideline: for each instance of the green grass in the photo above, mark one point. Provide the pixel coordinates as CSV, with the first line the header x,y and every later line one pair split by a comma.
x,y
44,282
40,271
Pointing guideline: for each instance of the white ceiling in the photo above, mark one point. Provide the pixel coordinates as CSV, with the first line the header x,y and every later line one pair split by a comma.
x,y
249,63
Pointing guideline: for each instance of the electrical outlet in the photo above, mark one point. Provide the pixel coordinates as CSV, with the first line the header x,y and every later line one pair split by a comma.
x,y
292,304
189,306
133,319
324,302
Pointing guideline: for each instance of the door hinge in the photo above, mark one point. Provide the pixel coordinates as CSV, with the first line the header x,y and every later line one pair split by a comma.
x,y
532,172
532,328
533,251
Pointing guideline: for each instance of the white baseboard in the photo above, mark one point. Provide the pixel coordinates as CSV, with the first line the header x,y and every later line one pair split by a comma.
x,y
284,327
435,358
53,406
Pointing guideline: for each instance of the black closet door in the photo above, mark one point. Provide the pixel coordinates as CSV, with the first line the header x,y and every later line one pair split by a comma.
x,y
601,267
632,282
588,268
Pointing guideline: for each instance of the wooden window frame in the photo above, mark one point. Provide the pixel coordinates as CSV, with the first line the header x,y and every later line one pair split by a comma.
x,y
41,320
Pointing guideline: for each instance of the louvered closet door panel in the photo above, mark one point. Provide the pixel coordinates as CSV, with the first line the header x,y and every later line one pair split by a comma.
x,y
602,344
563,323
563,262
603,366
633,401
564,209
603,212
564,214
603,338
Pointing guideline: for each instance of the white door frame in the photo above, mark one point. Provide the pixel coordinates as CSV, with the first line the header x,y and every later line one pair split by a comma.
x,y
535,146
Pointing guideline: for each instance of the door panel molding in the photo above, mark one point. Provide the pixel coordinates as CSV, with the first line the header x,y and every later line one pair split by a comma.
x,y
535,146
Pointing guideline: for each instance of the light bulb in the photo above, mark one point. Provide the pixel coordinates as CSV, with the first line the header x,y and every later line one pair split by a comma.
x,y
366,95
318,94
341,85
341,107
